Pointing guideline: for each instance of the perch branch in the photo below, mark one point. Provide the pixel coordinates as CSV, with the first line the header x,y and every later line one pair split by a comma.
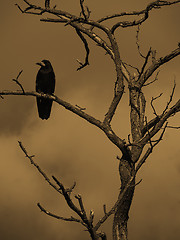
x,y
63,103
105,128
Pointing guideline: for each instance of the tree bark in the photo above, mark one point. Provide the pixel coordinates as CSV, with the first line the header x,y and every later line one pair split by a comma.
x,y
126,171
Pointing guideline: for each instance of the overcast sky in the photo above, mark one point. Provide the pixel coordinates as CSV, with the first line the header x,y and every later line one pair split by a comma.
x,y
68,147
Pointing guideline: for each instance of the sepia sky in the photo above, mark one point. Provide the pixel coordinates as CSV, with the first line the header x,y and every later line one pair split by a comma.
x,y
70,148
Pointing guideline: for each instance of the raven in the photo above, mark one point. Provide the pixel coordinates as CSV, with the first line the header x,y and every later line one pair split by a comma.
x,y
45,83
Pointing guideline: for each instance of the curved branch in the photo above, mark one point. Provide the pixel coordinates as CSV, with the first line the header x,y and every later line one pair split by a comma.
x,y
155,5
82,65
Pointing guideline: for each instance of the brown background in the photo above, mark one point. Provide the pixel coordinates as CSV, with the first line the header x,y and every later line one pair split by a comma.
x,y
68,147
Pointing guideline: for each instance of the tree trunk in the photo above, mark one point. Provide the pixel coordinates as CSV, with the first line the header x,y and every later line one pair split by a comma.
x,y
120,231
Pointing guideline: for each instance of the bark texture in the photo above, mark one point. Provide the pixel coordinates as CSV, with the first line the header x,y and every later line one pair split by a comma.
x,y
121,216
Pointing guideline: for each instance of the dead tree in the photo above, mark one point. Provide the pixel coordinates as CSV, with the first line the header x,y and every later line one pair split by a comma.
x,y
141,140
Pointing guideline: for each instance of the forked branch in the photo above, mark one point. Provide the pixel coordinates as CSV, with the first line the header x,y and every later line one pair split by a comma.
x,y
65,192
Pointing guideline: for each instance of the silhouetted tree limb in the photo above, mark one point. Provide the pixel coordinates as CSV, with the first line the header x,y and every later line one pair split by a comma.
x,y
82,65
71,219
66,193
18,83
153,5
159,62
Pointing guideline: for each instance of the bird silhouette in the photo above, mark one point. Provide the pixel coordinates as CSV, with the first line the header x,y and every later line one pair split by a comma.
x,y
45,83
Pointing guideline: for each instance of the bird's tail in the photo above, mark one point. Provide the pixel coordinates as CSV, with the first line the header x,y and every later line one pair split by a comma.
x,y
44,107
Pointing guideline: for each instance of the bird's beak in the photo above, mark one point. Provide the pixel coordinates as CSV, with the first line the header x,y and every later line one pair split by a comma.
x,y
41,64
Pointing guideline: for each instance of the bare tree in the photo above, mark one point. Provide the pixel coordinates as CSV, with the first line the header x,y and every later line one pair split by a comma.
x,y
145,134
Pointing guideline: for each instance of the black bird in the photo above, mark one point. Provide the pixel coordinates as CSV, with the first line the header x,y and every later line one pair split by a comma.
x,y
45,83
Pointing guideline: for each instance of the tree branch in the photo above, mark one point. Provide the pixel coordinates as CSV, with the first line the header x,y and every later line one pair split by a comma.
x,y
152,100
30,157
162,119
82,65
157,63
63,103
83,10
18,83
137,41
171,98
71,219
150,6
155,79
145,63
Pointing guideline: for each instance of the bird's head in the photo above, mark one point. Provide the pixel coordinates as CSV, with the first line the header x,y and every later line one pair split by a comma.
x,y
44,64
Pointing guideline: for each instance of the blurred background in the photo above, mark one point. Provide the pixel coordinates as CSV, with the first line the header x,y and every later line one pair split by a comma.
x,y
70,148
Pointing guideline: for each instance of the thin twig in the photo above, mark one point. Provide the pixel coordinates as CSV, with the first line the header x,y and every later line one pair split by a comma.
x,y
149,134
83,9
171,98
30,157
152,100
71,219
155,79
104,208
137,41
162,134
134,185
79,198
17,82
69,190
156,64
145,63
129,65
174,127
86,62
